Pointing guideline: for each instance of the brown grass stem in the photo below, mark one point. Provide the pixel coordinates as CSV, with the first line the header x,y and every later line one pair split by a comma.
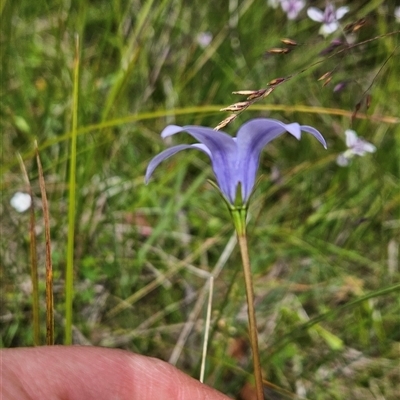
x,y
49,266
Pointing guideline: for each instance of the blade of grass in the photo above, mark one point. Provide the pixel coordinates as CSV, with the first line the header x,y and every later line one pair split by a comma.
x,y
198,110
69,276
49,266
206,329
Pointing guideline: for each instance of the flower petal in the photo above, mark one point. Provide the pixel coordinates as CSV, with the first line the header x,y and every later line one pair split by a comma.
x,y
315,14
327,29
170,130
369,147
251,139
341,11
362,147
342,160
315,133
214,140
153,164
292,7
351,137
223,154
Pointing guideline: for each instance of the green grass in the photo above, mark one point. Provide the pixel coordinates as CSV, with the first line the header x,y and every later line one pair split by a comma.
x,y
324,240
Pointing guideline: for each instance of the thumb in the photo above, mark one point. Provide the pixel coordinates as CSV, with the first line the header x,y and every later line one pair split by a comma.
x,y
84,372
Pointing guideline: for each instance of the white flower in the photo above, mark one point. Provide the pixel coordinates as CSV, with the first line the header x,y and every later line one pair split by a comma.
x,y
329,17
21,201
204,39
292,7
356,146
397,14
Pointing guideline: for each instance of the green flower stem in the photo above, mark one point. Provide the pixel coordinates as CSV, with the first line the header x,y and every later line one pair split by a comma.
x,y
239,220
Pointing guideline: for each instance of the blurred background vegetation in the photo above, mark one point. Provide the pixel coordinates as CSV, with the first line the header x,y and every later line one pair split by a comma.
x,y
324,240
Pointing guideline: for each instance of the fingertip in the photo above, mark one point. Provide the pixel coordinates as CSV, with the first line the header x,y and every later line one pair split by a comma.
x,y
158,379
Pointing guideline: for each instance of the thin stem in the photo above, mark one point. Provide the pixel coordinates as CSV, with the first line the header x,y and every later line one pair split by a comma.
x,y
242,239
49,265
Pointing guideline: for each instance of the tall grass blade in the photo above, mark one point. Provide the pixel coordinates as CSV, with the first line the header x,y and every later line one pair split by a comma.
x,y
69,276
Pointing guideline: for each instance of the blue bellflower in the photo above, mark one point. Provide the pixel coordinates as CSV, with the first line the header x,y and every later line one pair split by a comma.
x,y
234,160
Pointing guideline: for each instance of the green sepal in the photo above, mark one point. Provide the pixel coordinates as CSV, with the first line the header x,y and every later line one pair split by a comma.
x,y
238,210
239,215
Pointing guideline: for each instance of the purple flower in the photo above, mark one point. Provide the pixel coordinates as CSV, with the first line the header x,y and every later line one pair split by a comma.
x,y
340,86
356,146
329,17
292,7
234,160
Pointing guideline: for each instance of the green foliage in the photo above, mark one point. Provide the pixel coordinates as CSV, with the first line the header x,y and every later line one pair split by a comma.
x,y
324,240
